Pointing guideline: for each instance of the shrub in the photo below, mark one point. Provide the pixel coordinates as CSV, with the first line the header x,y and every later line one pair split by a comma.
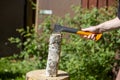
x,y
86,59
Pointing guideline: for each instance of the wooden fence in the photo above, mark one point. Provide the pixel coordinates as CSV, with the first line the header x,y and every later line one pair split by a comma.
x,y
97,3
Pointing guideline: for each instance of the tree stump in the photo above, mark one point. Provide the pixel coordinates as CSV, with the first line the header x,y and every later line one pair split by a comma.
x,y
40,75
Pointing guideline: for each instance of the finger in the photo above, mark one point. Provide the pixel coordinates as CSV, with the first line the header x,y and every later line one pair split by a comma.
x,y
86,29
89,29
85,36
93,36
89,37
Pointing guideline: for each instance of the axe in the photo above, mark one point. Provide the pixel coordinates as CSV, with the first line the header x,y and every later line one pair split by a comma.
x,y
59,28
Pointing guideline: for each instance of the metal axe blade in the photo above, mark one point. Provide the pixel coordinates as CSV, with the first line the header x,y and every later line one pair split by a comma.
x,y
59,28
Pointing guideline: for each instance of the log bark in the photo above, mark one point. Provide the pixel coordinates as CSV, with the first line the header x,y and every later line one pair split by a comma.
x,y
53,55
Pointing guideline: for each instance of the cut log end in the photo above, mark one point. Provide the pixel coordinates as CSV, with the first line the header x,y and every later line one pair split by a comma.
x,y
40,75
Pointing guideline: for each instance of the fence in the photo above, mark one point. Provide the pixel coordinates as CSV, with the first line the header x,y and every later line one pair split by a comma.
x,y
97,3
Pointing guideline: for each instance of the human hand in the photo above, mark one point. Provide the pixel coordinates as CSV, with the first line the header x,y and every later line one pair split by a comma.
x,y
92,29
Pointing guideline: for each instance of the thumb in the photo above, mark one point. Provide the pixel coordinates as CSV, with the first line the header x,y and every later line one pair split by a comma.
x,y
85,29
89,29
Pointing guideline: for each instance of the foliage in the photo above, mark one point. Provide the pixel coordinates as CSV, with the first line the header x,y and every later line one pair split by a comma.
x,y
33,55
33,4
82,59
11,69
31,46
85,59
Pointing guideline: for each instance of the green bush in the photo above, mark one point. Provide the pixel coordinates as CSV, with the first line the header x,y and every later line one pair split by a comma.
x,y
86,59
32,56
82,59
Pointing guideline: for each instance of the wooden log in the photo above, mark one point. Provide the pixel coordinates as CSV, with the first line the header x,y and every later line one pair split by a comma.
x,y
53,55
40,75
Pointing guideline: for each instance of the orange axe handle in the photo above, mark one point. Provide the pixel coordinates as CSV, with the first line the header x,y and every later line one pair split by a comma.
x,y
97,37
59,28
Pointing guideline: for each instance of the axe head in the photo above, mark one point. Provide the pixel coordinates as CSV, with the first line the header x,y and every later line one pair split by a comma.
x,y
59,28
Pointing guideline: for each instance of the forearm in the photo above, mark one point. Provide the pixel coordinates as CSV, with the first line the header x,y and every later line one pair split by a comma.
x,y
109,25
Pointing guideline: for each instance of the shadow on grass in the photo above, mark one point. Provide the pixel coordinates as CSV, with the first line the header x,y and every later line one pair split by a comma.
x,y
9,76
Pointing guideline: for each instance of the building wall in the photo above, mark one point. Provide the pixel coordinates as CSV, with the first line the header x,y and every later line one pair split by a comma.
x,y
12,14
62,7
